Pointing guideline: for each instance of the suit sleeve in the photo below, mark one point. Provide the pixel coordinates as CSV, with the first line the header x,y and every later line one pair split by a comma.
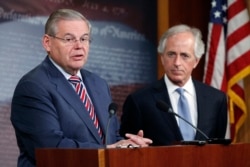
x,y
131,117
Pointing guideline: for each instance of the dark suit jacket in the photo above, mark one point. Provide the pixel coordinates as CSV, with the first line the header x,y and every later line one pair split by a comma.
x,y
47,112
140,112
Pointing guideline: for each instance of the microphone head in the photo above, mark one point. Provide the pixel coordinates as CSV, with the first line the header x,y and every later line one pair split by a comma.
x,y
163,106
112,108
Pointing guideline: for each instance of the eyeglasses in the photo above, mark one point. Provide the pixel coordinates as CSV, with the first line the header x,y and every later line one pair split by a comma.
x,y
71,40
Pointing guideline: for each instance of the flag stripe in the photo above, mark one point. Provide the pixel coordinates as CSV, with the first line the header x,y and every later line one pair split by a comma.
x,y
213,48
241,33
234,8
240,62
216,56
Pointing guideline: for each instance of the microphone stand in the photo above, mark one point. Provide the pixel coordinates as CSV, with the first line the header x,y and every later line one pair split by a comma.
x,y
164,107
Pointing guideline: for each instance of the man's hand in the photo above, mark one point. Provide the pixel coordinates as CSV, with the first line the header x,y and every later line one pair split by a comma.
x,y
133,141
138,139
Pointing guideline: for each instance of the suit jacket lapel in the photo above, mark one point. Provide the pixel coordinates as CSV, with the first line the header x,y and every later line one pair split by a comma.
x,y
94,93
68,93
161,93
202,108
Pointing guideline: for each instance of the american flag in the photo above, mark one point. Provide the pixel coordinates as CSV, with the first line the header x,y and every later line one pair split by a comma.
x,y
227,60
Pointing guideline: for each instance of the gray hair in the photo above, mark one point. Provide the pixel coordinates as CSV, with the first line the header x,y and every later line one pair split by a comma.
x,y
199,46
62,14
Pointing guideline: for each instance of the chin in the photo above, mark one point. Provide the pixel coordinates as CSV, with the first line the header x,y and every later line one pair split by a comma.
x,y
78,64
176,81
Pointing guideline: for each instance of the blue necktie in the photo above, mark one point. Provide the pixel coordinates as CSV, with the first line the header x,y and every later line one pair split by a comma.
x,y
183,110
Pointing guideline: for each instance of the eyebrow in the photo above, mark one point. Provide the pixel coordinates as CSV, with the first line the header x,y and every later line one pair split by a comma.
x,y
86,34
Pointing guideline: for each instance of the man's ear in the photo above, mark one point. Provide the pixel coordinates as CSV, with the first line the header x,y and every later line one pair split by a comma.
x,y
196,63
46,42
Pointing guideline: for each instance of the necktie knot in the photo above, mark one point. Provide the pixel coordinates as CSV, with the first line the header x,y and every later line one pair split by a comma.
x,y
180,91
74,79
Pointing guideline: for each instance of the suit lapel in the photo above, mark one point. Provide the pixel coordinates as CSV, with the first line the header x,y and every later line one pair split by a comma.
x,y
68,93
161,93
95,95
202,107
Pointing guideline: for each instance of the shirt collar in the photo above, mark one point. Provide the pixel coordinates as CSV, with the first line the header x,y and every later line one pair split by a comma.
x,y
188,87
65,74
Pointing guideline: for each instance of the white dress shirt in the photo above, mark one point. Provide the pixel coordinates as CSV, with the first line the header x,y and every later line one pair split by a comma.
x,y
189,93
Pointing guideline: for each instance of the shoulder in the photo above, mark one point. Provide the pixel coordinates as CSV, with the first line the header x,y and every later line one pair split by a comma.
x,y
93,80
36,75
88,75
207,89
149,89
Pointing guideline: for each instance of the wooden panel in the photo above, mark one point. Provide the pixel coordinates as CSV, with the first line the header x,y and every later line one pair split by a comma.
x,y
235,155
179,156
244,132
70,158
163,24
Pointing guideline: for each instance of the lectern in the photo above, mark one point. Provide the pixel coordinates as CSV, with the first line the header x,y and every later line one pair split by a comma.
x,y
210,155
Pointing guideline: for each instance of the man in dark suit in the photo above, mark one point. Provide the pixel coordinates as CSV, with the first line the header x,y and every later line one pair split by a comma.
x,y
180,48
46,110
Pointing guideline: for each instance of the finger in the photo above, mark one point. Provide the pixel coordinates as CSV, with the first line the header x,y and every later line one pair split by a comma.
x,y
140,133
139,140
148,141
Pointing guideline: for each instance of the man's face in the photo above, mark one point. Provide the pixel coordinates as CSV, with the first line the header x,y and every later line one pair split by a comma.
x,y
71,56
178,59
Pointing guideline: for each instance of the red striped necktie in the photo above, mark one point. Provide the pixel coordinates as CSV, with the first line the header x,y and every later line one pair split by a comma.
x,y
82,92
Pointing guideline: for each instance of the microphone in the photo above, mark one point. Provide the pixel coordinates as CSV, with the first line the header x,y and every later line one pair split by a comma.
x,y
165,107
112,111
